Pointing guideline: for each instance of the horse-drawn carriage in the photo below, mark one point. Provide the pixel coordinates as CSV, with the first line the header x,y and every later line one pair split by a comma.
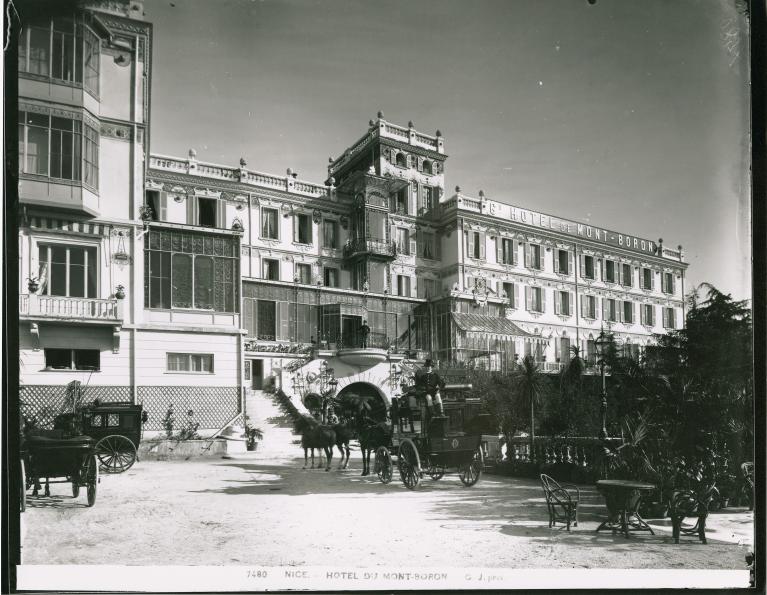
x,y
425,443
116,430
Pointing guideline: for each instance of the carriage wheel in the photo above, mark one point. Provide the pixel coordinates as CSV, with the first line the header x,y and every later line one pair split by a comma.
x,y
470,473
23,480
91,478
383,464
409,464
115,453
436,472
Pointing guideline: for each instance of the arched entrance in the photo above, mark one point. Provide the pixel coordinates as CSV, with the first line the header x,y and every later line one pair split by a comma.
x,y
352,395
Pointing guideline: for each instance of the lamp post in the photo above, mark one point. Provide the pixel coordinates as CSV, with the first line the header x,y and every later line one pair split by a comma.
x,y
328,384
602,343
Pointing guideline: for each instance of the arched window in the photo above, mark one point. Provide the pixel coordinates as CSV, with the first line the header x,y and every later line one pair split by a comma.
x,y
427,169
401,160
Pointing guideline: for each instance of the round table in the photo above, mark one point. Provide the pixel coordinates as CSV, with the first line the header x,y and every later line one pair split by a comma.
x,y
622,497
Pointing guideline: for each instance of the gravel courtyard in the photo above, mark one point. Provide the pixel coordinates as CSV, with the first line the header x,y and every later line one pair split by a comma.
x,y
271,512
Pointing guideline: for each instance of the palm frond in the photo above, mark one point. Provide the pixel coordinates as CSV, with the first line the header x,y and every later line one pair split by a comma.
x,y
301,420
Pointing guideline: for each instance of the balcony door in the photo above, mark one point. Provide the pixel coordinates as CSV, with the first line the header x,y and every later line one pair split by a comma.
x,y
70,271
350,331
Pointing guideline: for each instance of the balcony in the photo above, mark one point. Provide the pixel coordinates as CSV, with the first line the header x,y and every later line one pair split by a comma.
x,y
60,194
360,247
51,307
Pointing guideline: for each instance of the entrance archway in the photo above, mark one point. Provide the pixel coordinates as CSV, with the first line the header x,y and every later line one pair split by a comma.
x,y
364,390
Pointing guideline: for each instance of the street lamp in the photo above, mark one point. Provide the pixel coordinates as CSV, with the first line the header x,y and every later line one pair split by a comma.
x,y
602,344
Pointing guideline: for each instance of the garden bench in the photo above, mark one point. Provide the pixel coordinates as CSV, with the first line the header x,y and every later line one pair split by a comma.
x,y
561,501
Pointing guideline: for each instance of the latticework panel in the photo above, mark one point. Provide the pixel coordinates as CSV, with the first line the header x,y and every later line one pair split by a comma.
x,y
42,403
211,406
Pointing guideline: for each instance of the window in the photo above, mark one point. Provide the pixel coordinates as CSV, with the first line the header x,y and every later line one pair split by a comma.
x,y
191,270
430,287
58,147
589,306
302,229
587,267
648,315
562,303
533,257
401,160
428,244
507,254
269,228
427,168
62,49
668,283
330,233
627,278
609,310
158,203
201,363
429,198
400,204
70,271
266,320
206,212
591,352
535,299
331,277
669,318
609,271
304,273
270,269
475,244
648,281
628,312
403,240
508,289
562,262
72,359
403,285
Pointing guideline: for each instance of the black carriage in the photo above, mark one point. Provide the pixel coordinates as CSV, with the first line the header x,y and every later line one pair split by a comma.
x,y
116,431
54,459
432,445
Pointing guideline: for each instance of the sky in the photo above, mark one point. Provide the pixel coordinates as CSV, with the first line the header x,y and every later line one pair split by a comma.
x,y
632,116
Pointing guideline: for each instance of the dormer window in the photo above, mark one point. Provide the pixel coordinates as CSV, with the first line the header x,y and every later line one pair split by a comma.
x,y
400,160
427,167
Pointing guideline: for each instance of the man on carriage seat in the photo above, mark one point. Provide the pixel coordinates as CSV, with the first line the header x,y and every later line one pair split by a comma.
x,y
428,384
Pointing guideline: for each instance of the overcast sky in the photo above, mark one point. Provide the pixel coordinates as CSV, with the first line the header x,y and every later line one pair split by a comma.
x,y
632,116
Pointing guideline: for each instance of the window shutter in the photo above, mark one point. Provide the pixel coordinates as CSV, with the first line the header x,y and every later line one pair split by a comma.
x,y
528,298
527,255
283,321
482,246
570,263
190,203
221,214
393,201
571,303
419,198
310,229
672,320
514,252
604,308
412,242
642,314
515,289
542,294
557,347
633,312
601,264
470,243
652,279
499,249
556,260
163,214
409,287
672,289
663,282
583,306
557,299
582,265
419,242
619,314
295,228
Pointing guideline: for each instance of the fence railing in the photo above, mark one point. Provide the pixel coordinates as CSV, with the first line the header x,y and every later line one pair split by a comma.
x,y
370,246
583,451
70,307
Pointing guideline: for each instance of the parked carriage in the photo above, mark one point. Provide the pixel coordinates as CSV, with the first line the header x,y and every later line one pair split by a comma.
x,y
431,445
116,430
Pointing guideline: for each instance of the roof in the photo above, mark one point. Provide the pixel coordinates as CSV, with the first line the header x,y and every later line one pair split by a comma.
x,y
479,323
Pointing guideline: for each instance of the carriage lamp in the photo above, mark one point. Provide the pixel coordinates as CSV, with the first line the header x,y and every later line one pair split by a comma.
x,y
602,344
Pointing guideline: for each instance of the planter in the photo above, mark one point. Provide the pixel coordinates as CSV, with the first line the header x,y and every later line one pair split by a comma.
x,y
171,450
33,286
251,446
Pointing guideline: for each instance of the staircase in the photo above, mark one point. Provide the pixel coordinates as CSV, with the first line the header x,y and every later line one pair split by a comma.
x,y
263,413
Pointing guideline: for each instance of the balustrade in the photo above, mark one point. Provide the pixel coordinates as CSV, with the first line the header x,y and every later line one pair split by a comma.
x,y
69,307
577,450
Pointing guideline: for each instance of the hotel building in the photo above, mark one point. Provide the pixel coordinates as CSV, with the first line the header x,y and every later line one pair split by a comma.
x,y
233,279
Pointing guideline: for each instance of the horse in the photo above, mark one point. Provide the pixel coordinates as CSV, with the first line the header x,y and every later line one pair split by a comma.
x,y
373,436
315,435
344,434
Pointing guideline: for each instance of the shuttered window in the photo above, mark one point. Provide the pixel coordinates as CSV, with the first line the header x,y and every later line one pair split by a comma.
x,y
304,273
302,229
648,279
669,318
563,262
587,267
628,312
330,233
610,274
270,269
269,228
668,283
627,279
563,303
589,307
535,298
648,315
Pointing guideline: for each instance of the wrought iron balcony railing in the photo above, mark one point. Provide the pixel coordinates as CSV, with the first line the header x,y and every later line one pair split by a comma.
x,y
70,308
370,246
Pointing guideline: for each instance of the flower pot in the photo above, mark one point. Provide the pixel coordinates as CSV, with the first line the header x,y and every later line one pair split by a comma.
x,y
33,286
251,446
120,295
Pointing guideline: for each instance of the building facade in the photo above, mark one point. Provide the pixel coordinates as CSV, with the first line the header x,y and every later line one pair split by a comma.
x,y
176,282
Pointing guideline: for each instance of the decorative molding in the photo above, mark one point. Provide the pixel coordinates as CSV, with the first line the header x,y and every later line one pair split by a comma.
x,y
118,131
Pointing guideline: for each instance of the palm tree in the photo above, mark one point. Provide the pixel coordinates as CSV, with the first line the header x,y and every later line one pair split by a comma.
x,y
531,382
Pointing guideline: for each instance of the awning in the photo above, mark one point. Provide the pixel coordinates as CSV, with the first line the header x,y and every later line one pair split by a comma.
x,y
479,323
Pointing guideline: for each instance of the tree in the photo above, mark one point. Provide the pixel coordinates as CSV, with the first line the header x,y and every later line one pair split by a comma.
x,y
530,382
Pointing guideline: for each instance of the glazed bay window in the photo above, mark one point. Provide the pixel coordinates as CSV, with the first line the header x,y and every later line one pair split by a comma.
x,y
201,363
63,50
72,359
609,272
331,277
58,147
270,269
302,229
191,270
628,312
269,227
70,271
304,274
330,234
589,307
627,279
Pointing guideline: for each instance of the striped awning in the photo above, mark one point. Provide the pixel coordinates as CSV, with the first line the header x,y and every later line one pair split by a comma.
x,y
479,323
56,224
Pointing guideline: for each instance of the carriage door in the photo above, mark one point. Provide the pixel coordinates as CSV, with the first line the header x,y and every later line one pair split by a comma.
x,y
257,374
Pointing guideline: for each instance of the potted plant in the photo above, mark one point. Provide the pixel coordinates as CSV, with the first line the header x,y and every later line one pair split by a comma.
x,y
252,436
33,284
120,292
